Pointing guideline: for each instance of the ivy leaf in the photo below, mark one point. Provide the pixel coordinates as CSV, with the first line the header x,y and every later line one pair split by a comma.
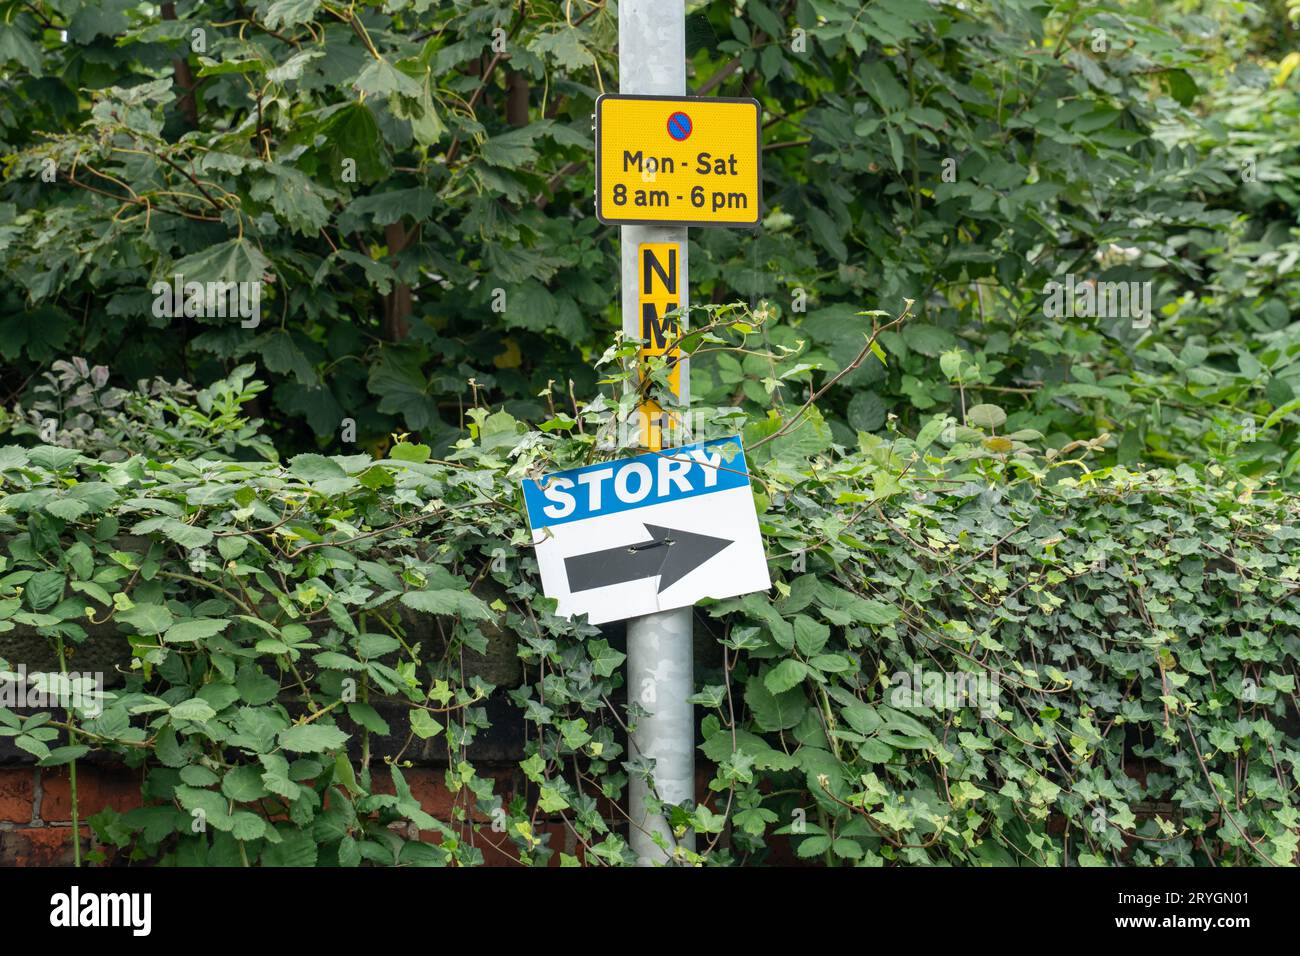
x,y
534,768
423,725
605,660
551,800
874,612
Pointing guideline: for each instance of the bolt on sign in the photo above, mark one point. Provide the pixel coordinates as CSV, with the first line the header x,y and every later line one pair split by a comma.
x,y
645,534
658,294
678,161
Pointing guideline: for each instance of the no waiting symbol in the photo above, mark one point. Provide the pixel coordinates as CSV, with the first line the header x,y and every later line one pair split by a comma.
x,y
679,126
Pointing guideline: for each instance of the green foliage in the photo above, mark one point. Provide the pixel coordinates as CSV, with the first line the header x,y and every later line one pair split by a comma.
x,y
997,633
75,407
418,209
1123,645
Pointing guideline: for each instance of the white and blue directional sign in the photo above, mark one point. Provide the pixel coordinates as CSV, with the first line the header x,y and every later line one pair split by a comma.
x,y
650,533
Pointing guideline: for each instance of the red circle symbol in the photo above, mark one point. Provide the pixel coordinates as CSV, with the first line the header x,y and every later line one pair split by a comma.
x,y
679,126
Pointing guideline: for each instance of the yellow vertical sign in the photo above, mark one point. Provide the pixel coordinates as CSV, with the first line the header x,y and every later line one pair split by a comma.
x,y
659,291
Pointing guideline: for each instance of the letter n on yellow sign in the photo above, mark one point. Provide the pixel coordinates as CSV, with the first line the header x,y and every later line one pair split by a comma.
x,y
659,277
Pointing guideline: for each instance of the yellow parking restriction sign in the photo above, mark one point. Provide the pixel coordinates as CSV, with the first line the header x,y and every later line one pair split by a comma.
x,y
678,161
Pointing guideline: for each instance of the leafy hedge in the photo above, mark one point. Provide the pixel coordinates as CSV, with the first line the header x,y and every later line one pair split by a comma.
x,y
994,636
413,184
1130,638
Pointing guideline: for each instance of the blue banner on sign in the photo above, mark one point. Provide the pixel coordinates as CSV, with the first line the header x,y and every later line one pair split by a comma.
x,y
652,479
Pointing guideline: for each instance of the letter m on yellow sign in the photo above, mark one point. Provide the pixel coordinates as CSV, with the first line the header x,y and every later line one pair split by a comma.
x,y
659,292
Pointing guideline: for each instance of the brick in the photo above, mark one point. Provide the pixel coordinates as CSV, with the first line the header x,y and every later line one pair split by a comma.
x,y
703,774
430,791
40,846
17,792
563,840
118,788
781,853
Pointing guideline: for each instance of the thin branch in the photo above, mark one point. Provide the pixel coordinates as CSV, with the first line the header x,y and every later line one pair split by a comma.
x,y
851,367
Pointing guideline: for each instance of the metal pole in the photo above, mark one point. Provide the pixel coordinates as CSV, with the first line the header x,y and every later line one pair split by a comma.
x,y
660,654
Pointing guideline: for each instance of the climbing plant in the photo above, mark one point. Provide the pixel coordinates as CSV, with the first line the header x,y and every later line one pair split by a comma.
x,y
977,649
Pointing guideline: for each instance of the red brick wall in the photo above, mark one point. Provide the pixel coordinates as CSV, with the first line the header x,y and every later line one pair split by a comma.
x,y
36,811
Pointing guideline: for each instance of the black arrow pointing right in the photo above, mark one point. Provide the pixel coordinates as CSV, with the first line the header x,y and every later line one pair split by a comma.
x,y
670,554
